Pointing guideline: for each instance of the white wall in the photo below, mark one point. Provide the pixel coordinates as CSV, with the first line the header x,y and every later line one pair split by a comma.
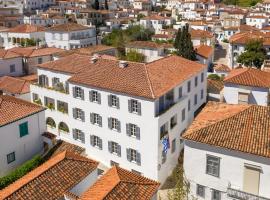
x,y
5,67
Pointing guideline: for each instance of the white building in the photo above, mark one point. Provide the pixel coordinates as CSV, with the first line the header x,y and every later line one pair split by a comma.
x,y
247,86
205,55
70,36
11,64
121,112
257,21
156,22
227,155
21,126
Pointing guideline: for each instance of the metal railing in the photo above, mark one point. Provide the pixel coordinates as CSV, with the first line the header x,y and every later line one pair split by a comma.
x,y
238,194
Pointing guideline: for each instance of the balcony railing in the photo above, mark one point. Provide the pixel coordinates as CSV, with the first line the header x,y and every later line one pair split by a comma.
x,y
61,89
238,194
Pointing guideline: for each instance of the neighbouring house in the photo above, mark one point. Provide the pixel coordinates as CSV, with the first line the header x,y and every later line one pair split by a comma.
x,y
11,63
199,37
70,36
115,99
215,90
205,54
19,35
221,70
227,153
64,176
156,22
257,21
142,5
247,86
15,86
21,124
151,50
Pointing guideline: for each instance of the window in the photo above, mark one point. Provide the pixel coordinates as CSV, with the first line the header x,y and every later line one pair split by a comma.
x,y
202,77
55,81
188,86
202,94
212,165
114,163
39,60
173,121
114,124
35,97
200,191
95,96
11,157
95,141
180,90
113,101
216,195
136,172
78,92
251,179
12,68
78,114
23,129
243,98
78,135
189,105
196,81
133,130
96,119
114,148
173,146
195,99
163,130
183,114
134,106
163,157
133,156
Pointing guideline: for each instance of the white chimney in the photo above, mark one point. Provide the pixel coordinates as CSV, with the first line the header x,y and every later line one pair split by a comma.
x,y
93,59
123,63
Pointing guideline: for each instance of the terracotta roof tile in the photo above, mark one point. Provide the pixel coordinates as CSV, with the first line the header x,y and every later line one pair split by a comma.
x,y
52,179
249,77
221,68
12,109
214,86
120,184
200,34
68,27
14,85
26,28
204,51
244,128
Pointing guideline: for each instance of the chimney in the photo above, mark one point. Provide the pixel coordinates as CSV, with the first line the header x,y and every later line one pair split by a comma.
x,y
123,63
93,59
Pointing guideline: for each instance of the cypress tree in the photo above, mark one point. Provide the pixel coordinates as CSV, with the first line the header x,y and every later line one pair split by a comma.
x,y
96,5
106,5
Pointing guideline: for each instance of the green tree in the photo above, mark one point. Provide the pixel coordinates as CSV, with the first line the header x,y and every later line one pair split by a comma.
x,y
183,44
135,56
140,16
106,5
96,5
120,45
254,54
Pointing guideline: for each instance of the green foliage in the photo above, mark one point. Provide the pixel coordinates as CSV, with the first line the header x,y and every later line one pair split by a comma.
x,y
254,54
50,122
183,44
214,77
20,171
134,56
38,101
50,106
242,3
28,42
63,127
225,40
140,16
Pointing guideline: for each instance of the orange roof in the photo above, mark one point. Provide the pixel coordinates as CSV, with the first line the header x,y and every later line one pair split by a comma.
x,y
244,37
200,34
155,17
204,50
221,68
12,109
26,28
6,54
30,78
14,85
249,77
244,128
68,27
120,184
52,179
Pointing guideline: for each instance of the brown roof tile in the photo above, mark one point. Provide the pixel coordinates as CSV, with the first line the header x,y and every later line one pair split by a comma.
x,y
214,86
222,68
12,109
68,27
14,85
52,179
244,128
200,34
26,28
204,51
120,184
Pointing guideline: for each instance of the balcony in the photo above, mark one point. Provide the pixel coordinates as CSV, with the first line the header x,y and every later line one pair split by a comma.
x,y
59,87
238,194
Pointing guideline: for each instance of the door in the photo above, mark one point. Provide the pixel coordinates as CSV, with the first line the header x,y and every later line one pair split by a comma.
x,y
251,180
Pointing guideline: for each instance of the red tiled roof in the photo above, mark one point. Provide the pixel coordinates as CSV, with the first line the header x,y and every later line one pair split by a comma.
x,y
244,37
249,77
68,27
200,34
52,179
120,184
26,28
14,85
12,109
144,44
244,128
214,86
221,68
6,54
204,51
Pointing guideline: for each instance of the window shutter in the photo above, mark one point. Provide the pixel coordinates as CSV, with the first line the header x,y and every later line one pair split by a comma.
x,y
91,96
129,106
110,147
100,120
92,118
82,94
110,123
118,126
99,98
138,157
46,81
117,103
137,132
119,150
110,100
75,136
128,129
100,143
92,140
74,92
83,138
83,116
74,113
128,155
139,108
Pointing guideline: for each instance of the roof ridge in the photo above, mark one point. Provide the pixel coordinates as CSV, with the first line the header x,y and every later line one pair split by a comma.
x,y
149,81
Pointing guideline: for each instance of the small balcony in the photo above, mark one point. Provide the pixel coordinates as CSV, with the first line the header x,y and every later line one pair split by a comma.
x,y
238,194
60,87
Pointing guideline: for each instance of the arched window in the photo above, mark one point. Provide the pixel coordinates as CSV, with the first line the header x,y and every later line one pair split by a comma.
x,y
63,127
50,122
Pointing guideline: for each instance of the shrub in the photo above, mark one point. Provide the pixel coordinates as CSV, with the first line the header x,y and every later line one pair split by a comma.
x,y
38,101
214,77
225,40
